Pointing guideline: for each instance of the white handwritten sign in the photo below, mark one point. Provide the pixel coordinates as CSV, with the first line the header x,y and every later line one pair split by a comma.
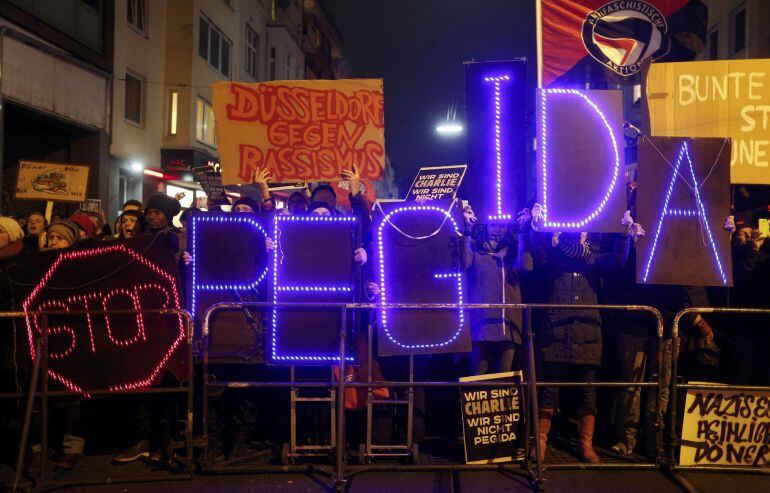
x,y
726,98
723,427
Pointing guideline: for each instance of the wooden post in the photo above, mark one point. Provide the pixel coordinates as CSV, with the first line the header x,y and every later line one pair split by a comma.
x,y
48,211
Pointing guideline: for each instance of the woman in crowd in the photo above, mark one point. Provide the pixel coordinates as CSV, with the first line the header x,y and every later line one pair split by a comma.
x,y
61,233
132,224
571,347
494,257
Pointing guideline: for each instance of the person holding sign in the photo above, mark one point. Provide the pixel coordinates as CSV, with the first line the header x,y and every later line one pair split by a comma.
x,y
494,257
572,343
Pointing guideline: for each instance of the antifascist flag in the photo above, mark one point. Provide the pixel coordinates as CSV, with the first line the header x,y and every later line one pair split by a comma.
x,y
596,40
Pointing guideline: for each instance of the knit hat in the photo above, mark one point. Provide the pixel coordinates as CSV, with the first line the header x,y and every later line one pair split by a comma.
x,y
11,227
167,205
319,188
247,201
319,205
84,222
66,228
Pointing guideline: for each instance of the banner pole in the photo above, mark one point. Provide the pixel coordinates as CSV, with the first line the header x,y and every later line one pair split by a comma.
x,y
48,211
539,40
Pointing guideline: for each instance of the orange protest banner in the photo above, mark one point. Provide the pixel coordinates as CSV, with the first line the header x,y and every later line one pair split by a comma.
x,y
301,130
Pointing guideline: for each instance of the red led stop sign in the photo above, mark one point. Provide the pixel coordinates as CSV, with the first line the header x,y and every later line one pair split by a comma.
x,y
104,349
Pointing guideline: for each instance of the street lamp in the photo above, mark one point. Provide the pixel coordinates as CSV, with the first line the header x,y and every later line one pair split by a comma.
x,y
136,167
449,129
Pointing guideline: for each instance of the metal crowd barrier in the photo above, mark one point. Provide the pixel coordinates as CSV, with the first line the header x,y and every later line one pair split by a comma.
x,y
39,380
676,439
342,471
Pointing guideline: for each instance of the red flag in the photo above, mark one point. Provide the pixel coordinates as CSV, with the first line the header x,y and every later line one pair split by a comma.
x,y
581,38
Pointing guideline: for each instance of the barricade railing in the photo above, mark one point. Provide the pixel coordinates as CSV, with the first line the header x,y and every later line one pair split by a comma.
x,y
341,471
39,388
763,452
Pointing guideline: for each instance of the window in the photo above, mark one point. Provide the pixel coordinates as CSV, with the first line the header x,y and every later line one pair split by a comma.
x,y
213,46
738,40
204,124
137,15
252,48
289,70
713,43
272,63
173,106
134,95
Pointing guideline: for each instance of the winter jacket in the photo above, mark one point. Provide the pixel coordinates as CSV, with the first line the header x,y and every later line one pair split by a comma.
x,y
573,270
493,277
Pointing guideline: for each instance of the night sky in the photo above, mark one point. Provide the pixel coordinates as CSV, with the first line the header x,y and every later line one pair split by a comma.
x,y
418,48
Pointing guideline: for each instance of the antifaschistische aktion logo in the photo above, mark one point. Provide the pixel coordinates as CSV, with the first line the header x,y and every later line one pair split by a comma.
x,y
624,33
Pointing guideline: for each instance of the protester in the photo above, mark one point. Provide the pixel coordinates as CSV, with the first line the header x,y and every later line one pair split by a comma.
x,y
494,257
750,362
160,212
11,244
132,224
35,227
61,233
131,205
297,204
246,204
325,194
85,226
571,348
36,223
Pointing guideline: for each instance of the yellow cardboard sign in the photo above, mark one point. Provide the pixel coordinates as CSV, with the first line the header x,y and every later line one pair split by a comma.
x,y
726,98
725,428
55,182
301,130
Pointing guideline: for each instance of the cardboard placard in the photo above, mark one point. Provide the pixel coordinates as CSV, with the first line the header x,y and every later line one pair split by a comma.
x,y
496,102
211,181
55,182
724,98
725,428
680,248
97,350
437,182
580,160
493,419
312,263
419,262
301,130
230,264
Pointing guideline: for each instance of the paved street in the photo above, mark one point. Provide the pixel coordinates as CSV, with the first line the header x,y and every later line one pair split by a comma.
x,y
466,482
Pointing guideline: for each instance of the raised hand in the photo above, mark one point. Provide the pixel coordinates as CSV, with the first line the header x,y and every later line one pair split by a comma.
x,y
353,176
360,256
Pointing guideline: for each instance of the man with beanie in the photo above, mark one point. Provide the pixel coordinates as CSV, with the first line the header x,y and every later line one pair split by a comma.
x,y
246,204
160,212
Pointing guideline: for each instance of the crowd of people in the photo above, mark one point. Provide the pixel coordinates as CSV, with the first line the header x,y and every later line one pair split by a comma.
x,y
505,263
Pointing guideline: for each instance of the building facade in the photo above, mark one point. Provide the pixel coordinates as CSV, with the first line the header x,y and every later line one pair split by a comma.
x,y
56,61
737,29
124,85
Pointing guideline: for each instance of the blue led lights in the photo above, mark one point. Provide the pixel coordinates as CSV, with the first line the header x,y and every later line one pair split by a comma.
x,y
699,212
279,288
315,289
202,285
448,275
543,143
444,275
497,82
